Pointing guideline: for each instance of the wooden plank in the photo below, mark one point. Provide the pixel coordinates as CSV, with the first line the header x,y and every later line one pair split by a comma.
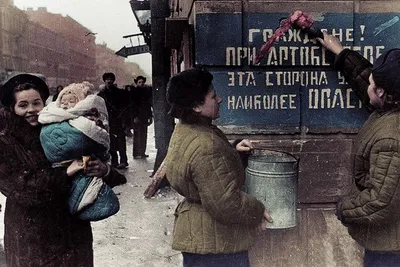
x,y
328,243
325,170
280,248
201,7
185,8
308,6
319,240
376,6
156,181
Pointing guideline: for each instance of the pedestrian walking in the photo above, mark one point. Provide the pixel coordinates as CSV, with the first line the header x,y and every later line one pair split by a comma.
x,y
142,99
371,213
217,222
130,112
116,102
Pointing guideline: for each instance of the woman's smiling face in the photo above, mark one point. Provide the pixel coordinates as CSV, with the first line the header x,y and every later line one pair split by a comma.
x,y
28,104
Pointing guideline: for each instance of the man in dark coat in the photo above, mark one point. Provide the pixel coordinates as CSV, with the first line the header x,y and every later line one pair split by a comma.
x,y
115,99
142,98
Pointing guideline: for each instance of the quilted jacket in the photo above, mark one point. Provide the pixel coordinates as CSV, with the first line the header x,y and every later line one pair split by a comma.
x,y
372,212
215,216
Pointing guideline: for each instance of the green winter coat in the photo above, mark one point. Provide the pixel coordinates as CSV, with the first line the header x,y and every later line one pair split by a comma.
x,y
372,213
215,216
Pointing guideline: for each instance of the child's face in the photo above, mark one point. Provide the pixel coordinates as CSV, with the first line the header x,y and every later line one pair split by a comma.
x,y
68,101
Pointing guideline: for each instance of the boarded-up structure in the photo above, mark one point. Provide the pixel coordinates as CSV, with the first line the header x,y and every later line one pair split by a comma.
x,y
293,101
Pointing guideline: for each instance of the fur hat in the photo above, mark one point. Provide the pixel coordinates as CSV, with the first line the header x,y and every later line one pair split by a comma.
x,y
187,89
140,78
386,72
79,90
7,88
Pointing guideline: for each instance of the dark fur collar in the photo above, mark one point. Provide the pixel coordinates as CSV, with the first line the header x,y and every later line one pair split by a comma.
x,y
17,127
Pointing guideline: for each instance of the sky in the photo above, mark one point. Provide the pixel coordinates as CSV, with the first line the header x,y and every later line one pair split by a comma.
x,y
110,19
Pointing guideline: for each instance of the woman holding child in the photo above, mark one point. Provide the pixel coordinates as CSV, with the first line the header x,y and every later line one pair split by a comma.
x,y
39,231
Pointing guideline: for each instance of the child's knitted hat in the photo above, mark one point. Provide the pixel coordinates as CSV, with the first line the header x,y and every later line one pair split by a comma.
x,y
79,90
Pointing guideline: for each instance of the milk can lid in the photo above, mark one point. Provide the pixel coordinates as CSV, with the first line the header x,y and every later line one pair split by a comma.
x,y
265,155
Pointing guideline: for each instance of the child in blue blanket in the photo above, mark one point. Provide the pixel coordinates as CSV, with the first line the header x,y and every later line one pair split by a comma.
x,y
75,127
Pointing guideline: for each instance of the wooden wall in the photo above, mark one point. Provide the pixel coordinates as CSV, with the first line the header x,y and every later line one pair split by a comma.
x,y
321,138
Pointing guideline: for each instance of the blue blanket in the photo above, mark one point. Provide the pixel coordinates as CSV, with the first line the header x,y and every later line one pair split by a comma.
x,y
106,204
61,142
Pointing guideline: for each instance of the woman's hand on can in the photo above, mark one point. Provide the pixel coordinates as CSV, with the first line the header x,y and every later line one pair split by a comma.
x,y
266,218
244,146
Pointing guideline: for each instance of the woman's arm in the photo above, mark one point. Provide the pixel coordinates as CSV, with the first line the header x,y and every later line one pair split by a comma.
x,y
96,168
379,202
354,67
29,186
243,147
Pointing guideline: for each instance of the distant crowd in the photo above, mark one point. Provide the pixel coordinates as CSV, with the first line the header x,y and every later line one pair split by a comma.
x,y
130,113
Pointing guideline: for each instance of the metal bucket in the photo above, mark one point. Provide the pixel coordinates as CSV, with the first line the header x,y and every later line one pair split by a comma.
x,y
271,177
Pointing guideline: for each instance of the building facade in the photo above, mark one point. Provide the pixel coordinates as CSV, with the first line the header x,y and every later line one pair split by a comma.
x,y
47,53
78,42
57,46
13,27
50,44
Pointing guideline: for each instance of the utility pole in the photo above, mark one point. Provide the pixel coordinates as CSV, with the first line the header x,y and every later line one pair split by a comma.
x,y
161,71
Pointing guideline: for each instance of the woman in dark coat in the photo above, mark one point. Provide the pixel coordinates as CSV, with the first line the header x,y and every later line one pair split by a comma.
x,y
39,231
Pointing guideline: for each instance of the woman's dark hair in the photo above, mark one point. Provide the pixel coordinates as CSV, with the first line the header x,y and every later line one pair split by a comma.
x,y
20,83
24,87
186,90
108,75
140,78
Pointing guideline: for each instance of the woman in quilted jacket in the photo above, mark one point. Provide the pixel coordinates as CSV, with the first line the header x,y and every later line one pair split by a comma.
x,y
372,212
38,228
216,223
